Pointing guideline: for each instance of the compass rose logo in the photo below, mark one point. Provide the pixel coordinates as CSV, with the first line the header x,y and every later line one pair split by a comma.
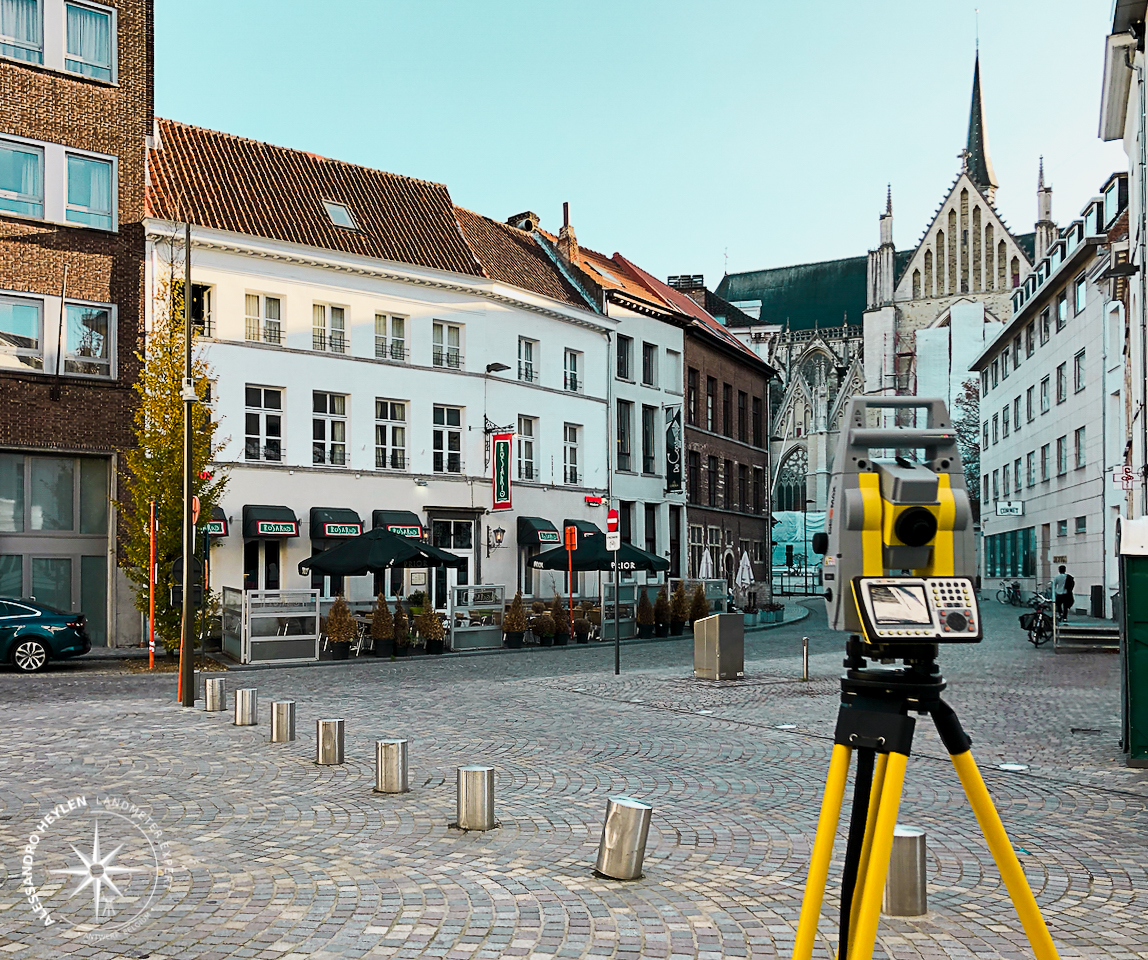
x,y
97,871
97,864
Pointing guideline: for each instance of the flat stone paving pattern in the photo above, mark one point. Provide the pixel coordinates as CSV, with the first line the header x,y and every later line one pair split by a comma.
x,y
275,857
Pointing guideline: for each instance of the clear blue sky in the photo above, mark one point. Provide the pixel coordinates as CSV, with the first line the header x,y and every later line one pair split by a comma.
x,y
677,131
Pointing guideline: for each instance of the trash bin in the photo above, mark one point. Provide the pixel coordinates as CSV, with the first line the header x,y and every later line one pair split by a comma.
x,y
719,647
1096,602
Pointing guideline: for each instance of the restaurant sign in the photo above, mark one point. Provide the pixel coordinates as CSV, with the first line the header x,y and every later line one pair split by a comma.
x,y
276,528
404,530
501,464
216,528
674,448
342,529
549,536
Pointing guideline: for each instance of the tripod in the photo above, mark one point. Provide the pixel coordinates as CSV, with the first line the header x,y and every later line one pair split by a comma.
x,y
873,720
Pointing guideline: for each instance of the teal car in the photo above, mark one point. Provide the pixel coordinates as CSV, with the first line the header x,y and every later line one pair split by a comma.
x,y
31,634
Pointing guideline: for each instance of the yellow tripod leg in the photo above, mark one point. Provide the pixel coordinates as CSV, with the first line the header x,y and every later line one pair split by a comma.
x,y
1011,872
822,852
867,843
863,933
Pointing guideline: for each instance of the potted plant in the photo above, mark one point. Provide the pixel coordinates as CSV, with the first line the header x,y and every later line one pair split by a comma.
x,y
561,617
341,629
749,611
699,606
775,610
645,615
543,628
382,628
662,614
514,623
417,602
581,630
402,631
679,610
431,629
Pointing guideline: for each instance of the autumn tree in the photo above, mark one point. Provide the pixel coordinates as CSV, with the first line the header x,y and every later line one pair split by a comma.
x,y
155,463
967,423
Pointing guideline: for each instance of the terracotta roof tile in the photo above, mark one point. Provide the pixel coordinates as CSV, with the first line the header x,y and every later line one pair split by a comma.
x,y
243,186
514,257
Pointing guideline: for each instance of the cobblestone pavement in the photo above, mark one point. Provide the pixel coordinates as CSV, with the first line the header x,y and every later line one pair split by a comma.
x,y
275,857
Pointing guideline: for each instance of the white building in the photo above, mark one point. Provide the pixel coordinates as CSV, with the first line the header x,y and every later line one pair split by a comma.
x,y
1052,412
368,341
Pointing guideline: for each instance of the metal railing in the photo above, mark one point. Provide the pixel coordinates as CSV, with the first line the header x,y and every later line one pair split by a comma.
x,y
395,351
447,358
390,460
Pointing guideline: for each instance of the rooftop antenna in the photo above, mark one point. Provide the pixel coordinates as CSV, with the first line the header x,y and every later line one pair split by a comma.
x,y
977,21
727,260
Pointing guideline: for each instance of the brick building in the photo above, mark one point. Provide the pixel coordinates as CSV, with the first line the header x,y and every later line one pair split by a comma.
x,y
75,115
726,436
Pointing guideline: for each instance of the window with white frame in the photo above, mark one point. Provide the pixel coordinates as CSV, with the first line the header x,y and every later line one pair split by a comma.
x,y
329,428
263,319
1044,461
21,178
1061,382
90,40
996,429
447,345
527,465
447,439
390,434
1005,485
1078,371
1005,423
1045,404
570,436
1045,328
528,360
1016,413
1078,440
1016,474
1030,467
329,328
263,423
1061,311
1061,455
572,370
1029,404
650,364
390,337
21,30
89,197
21,333
340,214
89,331
1030,339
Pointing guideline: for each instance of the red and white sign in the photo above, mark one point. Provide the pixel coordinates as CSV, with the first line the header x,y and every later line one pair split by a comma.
x,y
612,521
194,511
1124,476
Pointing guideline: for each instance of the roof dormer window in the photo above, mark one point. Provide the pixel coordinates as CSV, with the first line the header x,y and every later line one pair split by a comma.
x,y
339,215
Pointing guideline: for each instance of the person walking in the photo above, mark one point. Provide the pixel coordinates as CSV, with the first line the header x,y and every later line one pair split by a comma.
x,y
1062,585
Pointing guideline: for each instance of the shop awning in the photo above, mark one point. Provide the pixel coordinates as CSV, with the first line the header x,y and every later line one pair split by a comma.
x,y
261,521
403,522
585,528
533,530
333,523
217,525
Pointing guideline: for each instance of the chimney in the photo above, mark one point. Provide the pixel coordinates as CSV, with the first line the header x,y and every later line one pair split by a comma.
x,y
527,220
567,242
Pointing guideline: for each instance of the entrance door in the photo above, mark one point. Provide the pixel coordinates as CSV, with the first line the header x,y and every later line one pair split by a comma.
x,y
1045,552
261,565
456,536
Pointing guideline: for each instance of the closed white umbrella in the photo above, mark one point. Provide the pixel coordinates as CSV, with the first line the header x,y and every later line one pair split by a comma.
x,y
744,571
706,571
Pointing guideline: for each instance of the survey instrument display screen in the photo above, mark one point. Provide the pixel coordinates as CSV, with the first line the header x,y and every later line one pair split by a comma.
x,y
900,604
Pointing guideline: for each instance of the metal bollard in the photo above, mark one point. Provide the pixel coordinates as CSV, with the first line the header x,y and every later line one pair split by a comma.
x,y
282,721
246,707
905,886
329,736
475,806
805,658
391,766
623,844
215,695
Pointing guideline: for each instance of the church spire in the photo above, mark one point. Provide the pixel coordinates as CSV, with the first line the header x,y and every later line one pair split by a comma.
x,y
977,161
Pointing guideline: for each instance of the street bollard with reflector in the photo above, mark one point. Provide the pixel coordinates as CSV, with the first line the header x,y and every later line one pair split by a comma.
x,y
624,833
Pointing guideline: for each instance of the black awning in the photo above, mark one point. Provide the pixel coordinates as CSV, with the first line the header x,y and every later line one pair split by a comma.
x,y
261,521
217,525
533,530
403,522
585,528
334,523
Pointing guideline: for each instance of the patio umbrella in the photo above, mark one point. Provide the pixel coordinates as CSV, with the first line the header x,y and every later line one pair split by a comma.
x,y
706,570
376,550
592,554
744,571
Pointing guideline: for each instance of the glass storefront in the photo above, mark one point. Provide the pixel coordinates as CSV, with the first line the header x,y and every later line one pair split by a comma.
x,y
1011,554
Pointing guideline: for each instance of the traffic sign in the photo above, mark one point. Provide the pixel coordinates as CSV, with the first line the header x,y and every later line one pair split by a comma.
x,y
613,542
612,521
571,538
194,511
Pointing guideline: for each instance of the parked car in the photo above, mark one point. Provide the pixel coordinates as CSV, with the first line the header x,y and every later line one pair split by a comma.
x,y
31,634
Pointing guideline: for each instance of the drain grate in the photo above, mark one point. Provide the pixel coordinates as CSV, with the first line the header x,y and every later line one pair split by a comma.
x,y
1084,730
434,782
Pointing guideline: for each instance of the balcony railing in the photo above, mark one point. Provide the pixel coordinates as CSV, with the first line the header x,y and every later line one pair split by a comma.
x,y
571,474
452,463
528,371
254,449
623,460
572,383
396,351
390,460
334,342
447,358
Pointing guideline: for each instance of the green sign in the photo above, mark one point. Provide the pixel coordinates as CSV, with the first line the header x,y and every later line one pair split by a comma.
x,y
502,471
275,528
411,532
549,536
341,529
216,528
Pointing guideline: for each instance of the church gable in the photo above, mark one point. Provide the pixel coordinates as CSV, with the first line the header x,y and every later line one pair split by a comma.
x,y
966,249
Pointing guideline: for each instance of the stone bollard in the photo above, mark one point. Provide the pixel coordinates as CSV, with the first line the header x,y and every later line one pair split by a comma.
x,y
475,805
905,886
215,695
391,766
329,735
246,707
282,721
624,833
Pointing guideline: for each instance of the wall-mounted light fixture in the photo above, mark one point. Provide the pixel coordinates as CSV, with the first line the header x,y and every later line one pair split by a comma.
x,y
494,539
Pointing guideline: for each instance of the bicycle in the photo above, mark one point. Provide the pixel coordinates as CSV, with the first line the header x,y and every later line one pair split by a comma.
x,y
1010,594
1038,624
